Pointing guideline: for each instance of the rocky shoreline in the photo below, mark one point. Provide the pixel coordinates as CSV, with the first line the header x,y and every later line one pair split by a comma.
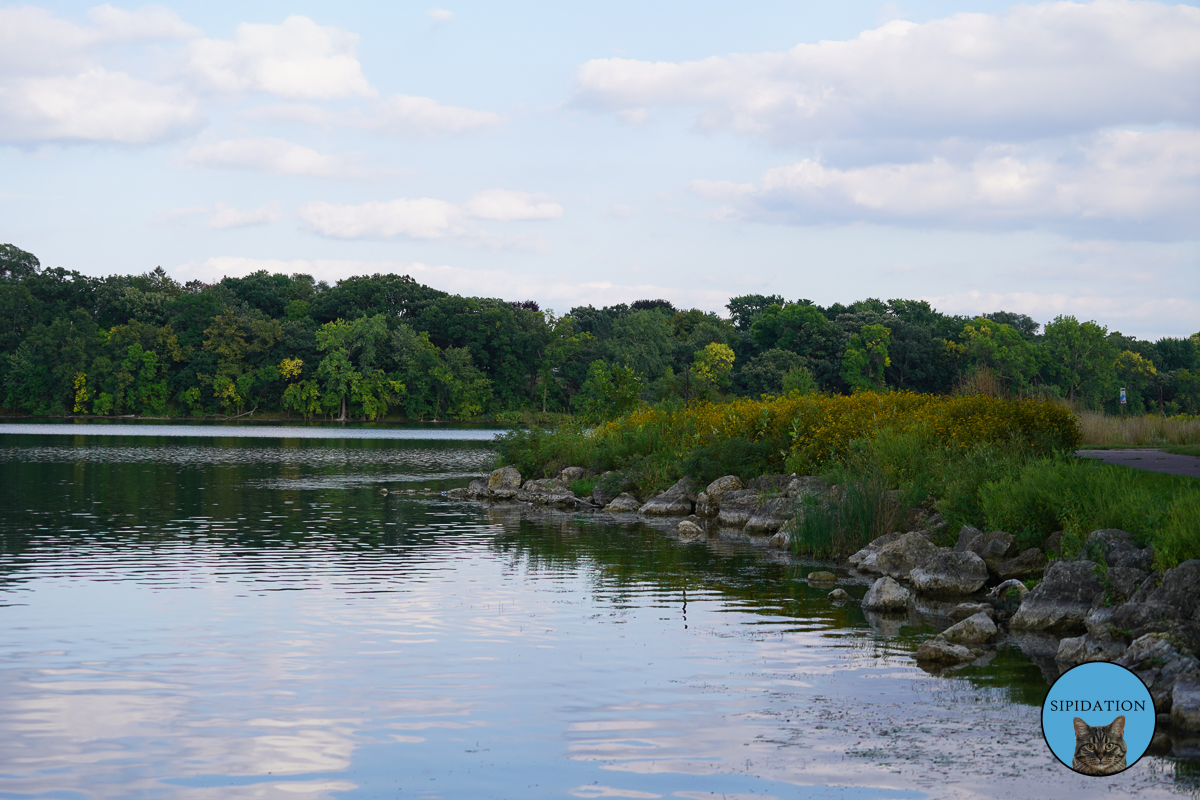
x,y
1107,604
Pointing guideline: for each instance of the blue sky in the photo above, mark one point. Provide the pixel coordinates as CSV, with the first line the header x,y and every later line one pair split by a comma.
x,y
1039,158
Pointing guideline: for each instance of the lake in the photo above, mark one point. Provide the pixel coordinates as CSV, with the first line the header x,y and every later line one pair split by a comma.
x,y
225,611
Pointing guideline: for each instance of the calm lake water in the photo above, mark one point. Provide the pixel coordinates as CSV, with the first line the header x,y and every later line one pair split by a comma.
x,y
207,612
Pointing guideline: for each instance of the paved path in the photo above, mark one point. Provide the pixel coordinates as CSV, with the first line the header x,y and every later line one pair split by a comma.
x,y
1154,460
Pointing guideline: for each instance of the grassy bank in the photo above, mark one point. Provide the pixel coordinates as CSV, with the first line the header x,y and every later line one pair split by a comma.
x,y
1105,430
981,461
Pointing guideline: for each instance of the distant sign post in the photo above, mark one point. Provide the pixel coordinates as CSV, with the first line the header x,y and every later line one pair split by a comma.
x,y
1122,401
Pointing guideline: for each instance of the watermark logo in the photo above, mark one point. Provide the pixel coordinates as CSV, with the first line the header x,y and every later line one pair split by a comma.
x,y
1098,719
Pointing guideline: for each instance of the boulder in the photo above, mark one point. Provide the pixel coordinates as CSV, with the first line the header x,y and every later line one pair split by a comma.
x,y
571,474
601,497
902,556
716,489
821,577
838,596
1123,582
1160,661
767,484
964,610
1029,562
949,572
738,506
689,530
780,541
805,485
1109,544
976,629
705,507
872,548
505,478
1083,649
940,651
458,494
770,516
886,595
1172,607
624,503
994,547
478,489
679,500
966,535
1185,705
1061,602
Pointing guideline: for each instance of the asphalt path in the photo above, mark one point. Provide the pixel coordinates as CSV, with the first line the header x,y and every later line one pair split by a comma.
x,y
1153,460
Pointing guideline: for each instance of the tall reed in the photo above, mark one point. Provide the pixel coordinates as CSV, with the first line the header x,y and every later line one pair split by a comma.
x,y
1148,430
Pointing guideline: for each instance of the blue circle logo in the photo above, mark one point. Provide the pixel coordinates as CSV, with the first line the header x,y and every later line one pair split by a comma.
x,y
1098,718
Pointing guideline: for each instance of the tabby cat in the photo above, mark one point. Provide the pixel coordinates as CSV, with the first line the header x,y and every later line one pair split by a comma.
x,y
1099,750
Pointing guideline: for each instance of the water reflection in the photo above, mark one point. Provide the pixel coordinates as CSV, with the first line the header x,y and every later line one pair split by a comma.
x,y
187,623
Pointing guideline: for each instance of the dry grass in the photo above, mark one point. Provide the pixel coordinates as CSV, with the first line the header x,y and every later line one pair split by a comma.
x,y
1103,430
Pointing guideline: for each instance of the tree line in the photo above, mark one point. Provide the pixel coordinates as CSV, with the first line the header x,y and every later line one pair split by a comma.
x,y
386,345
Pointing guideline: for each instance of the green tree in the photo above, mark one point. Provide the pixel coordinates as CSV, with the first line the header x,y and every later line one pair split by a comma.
x,y
16,263
866,357
1136,375
608,391
1000,348
1079,358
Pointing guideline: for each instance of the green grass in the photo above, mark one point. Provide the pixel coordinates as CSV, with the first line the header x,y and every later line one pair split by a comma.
x,y
1183,449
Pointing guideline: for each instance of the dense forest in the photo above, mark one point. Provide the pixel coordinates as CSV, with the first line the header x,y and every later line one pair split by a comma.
x,y
385,345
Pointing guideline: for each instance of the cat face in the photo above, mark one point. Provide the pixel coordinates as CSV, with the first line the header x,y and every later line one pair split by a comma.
x,y
1099,750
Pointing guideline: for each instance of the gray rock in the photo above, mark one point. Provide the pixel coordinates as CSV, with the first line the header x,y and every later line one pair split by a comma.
x,y
738,506
601,497
679,500
1061,602
770,516
571,474
940,651
688,530
770,483
976,629
1083,649
886,595
806,485
1185,705
949,572
1172,607
458,494
966,535
902,556
821,577
624,503
1053,543
547,495
1124,581
838,596
780,541
994,547
478,488
964,610
717,489
873,547
1160,660
1099,623
505,478
1110,544
705,507
544,485
1029,562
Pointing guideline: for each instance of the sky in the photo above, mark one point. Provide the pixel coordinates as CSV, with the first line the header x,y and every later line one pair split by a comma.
x,y
1041,158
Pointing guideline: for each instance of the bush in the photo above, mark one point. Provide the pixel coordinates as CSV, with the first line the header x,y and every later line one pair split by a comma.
x,y
865,510
736,456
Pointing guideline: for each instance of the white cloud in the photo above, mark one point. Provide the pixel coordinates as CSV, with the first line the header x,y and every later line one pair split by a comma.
x,y
1143,184
440,16
297,59
280,157
229,217
502,205
400,115
53,88
430,219
1036,70
424,218
93,106
146,23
